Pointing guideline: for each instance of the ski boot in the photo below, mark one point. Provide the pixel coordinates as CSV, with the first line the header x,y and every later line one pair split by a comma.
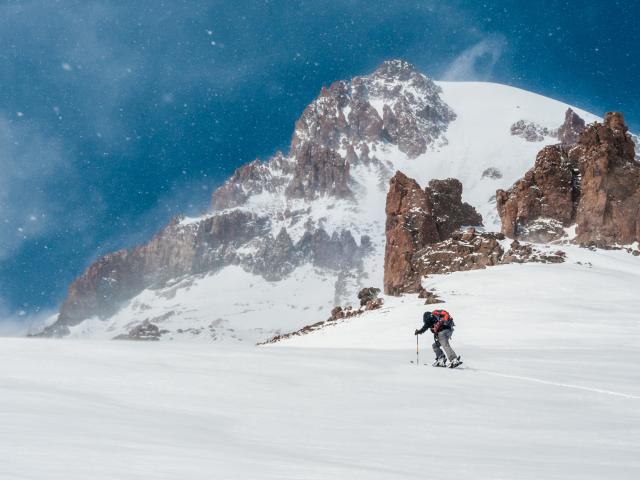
x,y
440,362
455,362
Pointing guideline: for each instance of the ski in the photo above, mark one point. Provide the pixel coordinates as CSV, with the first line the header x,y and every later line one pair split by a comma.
x,y
444,366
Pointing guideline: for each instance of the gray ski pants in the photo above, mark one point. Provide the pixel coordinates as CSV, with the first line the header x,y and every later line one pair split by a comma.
x,y
442,343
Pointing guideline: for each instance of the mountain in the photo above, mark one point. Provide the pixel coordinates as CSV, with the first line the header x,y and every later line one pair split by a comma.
x,y
290,237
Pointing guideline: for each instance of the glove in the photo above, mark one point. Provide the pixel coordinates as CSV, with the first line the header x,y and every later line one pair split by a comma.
x,y
416,332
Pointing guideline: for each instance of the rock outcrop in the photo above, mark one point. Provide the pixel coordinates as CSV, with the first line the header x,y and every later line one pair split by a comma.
x,y
146,331
572,127
410,225
525,253
467,250
416,218
567,133
368,295
253,178
609,208
449,211
594,184
530,131
430,298
546,195
471,250
319,170
493,173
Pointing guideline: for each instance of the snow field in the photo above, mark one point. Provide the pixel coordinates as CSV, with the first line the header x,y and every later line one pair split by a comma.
x,y
551,390
206,308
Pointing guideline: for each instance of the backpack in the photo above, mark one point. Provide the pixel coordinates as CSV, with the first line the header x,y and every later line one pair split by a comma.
x,y
444,315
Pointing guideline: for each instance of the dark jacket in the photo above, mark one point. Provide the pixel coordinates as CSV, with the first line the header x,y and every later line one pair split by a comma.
x,y
434,323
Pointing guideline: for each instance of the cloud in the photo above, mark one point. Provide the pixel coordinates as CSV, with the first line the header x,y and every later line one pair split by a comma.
x,y
31,164
20,323
477,61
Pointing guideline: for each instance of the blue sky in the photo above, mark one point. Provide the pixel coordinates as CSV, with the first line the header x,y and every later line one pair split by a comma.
x,y
115,116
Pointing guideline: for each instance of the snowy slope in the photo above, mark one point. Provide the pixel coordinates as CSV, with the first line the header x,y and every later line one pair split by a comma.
x,y
554,396
518,306
231,305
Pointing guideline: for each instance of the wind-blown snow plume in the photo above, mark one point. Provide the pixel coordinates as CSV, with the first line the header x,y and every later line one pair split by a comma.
x,y
20,323
477,61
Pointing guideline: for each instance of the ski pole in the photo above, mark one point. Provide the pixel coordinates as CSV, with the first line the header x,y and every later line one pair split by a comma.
x,y
417,352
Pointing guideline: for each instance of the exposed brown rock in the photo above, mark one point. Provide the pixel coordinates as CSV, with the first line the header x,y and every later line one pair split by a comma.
x,y
530,131
492,173
416,218
251,179
548,191
319,171
410,225
524,253
411,121
374,304
336,313
448,208
364,121
609,208
146,331
572,127
594,184
471,250
431,298
368,294
467,250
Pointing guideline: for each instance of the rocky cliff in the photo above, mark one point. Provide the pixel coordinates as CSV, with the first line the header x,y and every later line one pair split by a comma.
x,y
415,219
594,184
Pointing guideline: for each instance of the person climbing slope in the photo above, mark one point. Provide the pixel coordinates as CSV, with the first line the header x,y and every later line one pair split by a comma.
x,y
441,325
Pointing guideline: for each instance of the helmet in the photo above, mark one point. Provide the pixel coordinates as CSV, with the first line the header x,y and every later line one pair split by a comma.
x,y
429,318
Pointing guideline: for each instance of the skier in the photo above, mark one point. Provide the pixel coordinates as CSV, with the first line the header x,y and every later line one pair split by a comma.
x,y
441,324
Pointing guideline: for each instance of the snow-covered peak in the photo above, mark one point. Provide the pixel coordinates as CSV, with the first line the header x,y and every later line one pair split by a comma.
x,y
395,104
324,200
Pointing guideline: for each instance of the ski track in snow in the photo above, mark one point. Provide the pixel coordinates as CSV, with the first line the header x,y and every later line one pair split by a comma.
x,y
547,382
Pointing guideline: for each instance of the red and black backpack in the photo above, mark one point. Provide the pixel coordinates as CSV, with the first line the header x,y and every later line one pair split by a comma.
x,y
445,317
